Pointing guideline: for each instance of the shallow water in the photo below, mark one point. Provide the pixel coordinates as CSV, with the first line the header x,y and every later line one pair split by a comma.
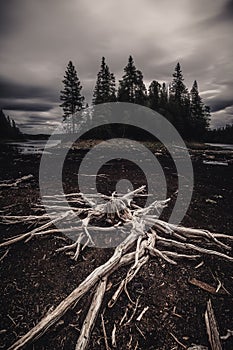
x,y
34,146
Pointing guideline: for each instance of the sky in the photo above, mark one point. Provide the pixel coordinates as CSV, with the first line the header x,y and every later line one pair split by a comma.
x,y
39,37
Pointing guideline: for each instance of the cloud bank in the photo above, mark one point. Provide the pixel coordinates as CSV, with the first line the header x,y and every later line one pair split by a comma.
x,y
38,38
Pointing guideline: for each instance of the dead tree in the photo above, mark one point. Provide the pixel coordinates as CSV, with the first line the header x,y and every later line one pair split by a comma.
x,y
149,237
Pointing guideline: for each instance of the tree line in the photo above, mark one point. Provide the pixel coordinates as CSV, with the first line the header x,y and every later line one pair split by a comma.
x,y
8,128
183,108
224,134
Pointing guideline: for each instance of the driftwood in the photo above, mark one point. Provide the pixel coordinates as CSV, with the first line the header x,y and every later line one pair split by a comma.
x,y
205,286
8,184
148,238
91,315
212,329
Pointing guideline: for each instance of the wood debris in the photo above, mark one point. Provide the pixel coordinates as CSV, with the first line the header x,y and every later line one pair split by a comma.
x,y
205,286
7,184
142,313
140,245
211,327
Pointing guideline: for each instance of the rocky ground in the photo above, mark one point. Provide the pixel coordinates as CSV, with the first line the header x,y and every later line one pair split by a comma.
x,y
35,278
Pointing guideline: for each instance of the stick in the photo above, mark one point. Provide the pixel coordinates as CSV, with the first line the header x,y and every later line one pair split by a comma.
x,y
4,255
178,342
105,334
170,242
31,233
212,329
17,181
92,314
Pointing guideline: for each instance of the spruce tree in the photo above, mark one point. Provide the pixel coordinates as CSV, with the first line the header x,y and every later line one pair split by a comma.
x,y
199,113
112,88
140,90
163,96
13,124
8,128
179,102
178,90
71,95
207,116
131,87
98,90
154,95
105,88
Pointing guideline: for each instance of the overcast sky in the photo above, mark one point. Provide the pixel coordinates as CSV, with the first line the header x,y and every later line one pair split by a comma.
x,y
39,37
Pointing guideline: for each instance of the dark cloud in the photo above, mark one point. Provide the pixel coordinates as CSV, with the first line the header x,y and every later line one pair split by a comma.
x,y
227,12
13,90
36,107
218,105
220,18
38,38
38,119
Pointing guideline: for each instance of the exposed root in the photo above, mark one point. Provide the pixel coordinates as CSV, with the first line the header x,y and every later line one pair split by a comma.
x,y
8,184
141,243
92,314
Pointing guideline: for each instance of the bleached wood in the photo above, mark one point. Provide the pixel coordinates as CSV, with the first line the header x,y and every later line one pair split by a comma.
x,y
212,329
92,314
143,243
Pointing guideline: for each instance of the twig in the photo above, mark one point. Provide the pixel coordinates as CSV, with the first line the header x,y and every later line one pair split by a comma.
x,y
4,255
114,344
134,311
228,335
105,334
17,181
205,286
178,342
92,314
211,326
142,313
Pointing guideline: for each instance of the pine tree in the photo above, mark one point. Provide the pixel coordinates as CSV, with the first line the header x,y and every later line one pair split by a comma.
x,y
98,91
105,88
207,116
140,90
179,101
199,113
8,128
131,87
154,95
71,95
13,124
112,88
197,106
163,96
178,90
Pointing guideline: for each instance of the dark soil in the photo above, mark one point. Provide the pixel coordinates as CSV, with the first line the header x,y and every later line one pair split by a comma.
x,y
34,278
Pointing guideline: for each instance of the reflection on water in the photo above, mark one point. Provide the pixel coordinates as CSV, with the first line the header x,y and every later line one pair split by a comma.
x,y
34,146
